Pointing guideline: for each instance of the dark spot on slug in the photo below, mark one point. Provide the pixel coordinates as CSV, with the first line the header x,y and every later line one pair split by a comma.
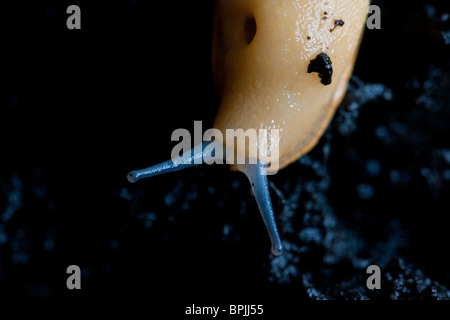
x,y
249,29
337,23
308,37
322,65
325,13
324,18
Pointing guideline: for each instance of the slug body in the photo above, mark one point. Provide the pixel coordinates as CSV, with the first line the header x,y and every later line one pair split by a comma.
x,y
265,83
278,64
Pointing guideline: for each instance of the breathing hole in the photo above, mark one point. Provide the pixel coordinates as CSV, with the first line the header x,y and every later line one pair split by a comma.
x,y
249,29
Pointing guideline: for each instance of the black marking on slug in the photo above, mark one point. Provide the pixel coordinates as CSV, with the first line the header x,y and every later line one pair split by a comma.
x,y
322,65
337,23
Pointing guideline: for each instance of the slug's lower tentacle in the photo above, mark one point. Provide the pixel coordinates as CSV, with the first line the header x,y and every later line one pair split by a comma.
x,y
190,158
257,175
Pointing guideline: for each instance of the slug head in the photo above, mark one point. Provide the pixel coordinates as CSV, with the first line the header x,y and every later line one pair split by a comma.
x,y
266,54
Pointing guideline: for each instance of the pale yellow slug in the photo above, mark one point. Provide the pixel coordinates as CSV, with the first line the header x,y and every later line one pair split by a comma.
x,y
278,64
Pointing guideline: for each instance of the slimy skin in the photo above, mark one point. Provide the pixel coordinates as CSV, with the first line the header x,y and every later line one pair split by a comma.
x,y
265,84
278,64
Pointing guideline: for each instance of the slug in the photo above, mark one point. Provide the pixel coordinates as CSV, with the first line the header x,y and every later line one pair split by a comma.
x,y
281,64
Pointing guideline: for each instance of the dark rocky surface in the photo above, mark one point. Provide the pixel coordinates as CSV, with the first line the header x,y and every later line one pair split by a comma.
x,y
78,111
